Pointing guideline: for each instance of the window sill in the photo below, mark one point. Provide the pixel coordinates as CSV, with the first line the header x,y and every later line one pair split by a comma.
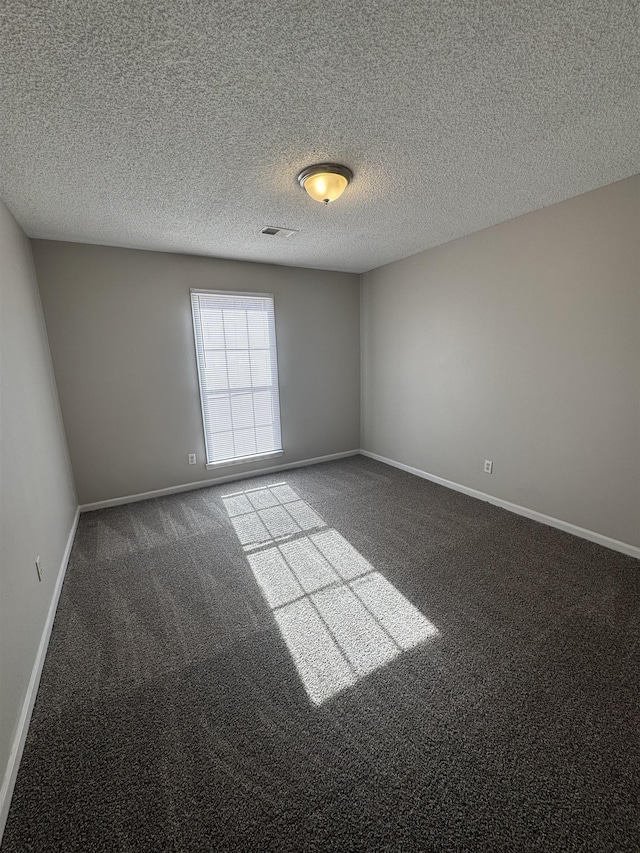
x,y
243,460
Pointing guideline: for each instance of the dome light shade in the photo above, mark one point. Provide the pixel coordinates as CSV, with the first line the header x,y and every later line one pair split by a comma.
x,y
325,182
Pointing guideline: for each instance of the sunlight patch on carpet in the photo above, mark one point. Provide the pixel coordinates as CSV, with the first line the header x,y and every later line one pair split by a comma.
x,y
340,618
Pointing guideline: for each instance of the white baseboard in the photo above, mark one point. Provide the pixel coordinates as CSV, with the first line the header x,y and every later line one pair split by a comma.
x,y
22,728
214,481
583,533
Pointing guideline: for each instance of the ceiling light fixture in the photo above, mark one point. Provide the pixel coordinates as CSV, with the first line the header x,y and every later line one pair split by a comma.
x,y
325,182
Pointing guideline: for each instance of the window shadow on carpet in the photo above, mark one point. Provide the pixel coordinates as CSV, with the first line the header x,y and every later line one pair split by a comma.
x,y
340,618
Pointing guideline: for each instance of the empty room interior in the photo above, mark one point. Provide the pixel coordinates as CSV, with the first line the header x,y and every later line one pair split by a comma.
x,y
320,426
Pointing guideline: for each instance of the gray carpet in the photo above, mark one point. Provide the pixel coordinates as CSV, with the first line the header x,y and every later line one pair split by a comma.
x,y
357,660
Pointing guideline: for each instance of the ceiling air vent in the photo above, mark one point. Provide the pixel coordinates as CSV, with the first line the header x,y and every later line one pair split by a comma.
x,y
274,231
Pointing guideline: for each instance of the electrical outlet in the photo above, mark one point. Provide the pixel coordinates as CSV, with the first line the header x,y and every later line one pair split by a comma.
x,y
192,459
39,569
488,466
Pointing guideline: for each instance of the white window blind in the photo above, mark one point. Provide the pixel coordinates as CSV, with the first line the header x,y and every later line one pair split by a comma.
x,y
235,338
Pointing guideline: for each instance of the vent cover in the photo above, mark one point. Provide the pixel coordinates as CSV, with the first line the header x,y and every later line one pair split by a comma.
x,y
274,231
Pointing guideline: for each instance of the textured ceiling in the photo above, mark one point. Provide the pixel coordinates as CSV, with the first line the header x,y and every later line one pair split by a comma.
x,y
182,125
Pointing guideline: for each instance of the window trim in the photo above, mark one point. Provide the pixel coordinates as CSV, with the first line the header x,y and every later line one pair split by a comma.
x,y
237,460
242,460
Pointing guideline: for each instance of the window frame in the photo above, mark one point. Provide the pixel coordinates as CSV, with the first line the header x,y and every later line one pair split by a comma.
x,y
234,460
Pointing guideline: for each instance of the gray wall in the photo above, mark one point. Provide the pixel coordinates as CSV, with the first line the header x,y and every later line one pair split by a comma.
x,y
37,498
120,329
519,344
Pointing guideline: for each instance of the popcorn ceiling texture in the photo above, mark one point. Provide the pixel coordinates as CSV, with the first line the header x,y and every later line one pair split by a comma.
x,y
181,126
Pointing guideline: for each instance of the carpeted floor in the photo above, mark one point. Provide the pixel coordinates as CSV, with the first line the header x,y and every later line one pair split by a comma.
x,y
337,658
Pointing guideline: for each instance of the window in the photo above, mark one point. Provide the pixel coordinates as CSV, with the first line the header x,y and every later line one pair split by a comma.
x,y
235,336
